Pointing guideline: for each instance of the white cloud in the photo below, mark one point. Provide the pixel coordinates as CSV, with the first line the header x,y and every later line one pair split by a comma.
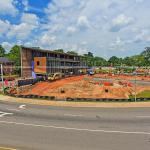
x,y
47,40
21,31
4,27
26,4
51,8
96,18
82,51
117,45
7,46
63,3
29,18
29,22
7,8
83,22
121,21
71,30
55,5
81,25
84,43
139,1
142,35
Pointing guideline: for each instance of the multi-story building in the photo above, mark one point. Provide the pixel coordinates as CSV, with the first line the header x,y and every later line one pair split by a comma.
x,y
35,61
8,66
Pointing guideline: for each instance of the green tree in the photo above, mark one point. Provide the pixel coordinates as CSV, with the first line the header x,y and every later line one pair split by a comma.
x,y
14,55
2,51
138,60
127,61
90,54
99,61
72,53
146,55
59,50
115,61
95,61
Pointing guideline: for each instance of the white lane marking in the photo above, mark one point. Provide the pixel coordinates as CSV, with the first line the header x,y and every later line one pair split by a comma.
x,y
72,115
2,114
143,116
13,109
76,129
22,106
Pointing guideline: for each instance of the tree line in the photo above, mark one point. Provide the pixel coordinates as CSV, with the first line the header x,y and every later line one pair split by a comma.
x,y
143,59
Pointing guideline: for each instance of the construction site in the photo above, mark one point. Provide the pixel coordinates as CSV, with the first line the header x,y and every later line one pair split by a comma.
x,y
84,86
49,73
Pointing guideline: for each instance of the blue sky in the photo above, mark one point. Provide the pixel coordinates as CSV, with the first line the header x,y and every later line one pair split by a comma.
x,y
104,27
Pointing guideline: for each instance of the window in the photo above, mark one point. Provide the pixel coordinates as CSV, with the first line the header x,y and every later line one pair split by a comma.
x,y
38,63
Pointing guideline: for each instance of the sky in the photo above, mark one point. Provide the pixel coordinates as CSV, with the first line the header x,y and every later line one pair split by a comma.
x,y
104,27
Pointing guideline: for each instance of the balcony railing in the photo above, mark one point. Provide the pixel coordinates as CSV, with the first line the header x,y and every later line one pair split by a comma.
x,y
63,59
68,67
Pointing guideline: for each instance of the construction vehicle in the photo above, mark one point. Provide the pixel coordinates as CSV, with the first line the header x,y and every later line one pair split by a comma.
x,y
55,76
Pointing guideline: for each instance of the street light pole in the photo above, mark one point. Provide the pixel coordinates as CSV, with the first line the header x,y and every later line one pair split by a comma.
x,y
2,78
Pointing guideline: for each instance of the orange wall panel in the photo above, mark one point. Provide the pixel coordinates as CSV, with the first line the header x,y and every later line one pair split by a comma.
x,y
40,65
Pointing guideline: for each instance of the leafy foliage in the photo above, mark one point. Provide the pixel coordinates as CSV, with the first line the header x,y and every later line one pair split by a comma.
x,y
72,53
95,61
146,56
2,51
115,61
59,50
14,55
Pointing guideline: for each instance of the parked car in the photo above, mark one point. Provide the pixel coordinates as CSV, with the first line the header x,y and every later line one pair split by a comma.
x,y
55,76
90,72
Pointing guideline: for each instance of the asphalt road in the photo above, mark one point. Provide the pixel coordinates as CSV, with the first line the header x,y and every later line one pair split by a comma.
x,y
32,127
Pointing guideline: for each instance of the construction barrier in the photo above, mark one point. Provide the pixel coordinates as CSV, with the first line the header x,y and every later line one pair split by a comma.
x,y
80,99
107,99
33,97
24,82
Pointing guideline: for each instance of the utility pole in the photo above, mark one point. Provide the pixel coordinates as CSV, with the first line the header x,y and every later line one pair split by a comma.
x,y
2,78
135,97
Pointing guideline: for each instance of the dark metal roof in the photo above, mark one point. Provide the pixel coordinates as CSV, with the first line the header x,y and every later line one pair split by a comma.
x,y
5,60
49,51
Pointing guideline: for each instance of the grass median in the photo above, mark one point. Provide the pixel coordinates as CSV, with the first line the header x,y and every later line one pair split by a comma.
x,y
144,94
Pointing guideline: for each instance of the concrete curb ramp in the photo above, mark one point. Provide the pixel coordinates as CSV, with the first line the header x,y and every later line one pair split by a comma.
x,y
77,104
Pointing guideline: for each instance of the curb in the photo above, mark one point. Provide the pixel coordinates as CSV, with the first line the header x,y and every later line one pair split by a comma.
x,y
76,104
69,99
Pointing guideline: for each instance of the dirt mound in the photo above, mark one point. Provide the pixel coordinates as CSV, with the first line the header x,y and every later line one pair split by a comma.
x,y
43,87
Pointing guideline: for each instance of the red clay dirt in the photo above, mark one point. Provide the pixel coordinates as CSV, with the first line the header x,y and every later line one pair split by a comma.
x,y
42,87
84,87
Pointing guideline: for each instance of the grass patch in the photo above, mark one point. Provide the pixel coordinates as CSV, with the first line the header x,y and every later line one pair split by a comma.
x,y
144,94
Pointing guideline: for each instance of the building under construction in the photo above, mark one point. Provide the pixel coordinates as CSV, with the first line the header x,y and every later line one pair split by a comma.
x,y
35,61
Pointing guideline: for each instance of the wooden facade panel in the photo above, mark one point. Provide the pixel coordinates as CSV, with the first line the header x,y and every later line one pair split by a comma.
x,y
26,60
40,65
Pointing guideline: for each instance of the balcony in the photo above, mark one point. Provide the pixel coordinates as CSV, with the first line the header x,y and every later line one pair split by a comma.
x,y
62,59
68,67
